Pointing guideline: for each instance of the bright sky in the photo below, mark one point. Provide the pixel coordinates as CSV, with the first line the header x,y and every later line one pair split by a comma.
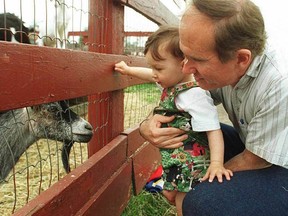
x,y
274,11
42,10
276,20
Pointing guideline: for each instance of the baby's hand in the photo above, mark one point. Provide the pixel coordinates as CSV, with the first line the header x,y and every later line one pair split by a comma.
x,y
216,169
122,68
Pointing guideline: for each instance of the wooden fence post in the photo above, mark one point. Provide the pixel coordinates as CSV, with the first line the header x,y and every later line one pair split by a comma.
x,y
106,34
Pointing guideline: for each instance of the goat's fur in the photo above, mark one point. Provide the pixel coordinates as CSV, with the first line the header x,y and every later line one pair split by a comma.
x,y
22,127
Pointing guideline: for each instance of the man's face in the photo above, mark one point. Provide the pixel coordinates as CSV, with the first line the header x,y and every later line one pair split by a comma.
x,y
197,44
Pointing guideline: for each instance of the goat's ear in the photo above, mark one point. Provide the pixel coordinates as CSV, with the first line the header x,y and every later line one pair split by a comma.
x,y
64,104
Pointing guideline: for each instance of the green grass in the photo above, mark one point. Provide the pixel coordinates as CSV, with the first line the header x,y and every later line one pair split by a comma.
x,y
149,91
142,87
145,203
148,204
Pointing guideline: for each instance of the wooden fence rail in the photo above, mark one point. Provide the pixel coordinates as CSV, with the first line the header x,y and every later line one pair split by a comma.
x,y
33,75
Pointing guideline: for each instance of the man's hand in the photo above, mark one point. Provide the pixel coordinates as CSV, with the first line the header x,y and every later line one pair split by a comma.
x,y
169,137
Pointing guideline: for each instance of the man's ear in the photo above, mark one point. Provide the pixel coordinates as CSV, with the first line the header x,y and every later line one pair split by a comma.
x,y
244,58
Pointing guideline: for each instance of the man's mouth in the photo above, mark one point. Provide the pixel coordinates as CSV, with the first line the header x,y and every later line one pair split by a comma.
x,y
197,78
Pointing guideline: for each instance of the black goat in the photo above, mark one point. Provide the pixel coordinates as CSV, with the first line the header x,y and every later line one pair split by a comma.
x,y
9,21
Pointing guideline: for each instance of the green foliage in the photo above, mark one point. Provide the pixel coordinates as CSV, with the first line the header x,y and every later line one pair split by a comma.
x,y
133,47
148,204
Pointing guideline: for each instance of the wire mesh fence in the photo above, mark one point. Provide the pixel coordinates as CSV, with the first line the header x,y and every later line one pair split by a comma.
x,y
139,103
32,144
53,23
41,165
140,99
38,164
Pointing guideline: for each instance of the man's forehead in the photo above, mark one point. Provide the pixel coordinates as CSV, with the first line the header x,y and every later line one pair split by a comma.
x,y
191,11
196,31
192,16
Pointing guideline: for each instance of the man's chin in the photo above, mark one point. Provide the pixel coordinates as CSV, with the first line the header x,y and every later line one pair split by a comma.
x,y
206,86
202,84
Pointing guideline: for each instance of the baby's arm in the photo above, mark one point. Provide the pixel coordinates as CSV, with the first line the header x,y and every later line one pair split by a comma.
x,y
138,72
216,168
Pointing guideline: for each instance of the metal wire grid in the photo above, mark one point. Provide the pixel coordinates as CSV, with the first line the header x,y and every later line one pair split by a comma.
x,y
40,165
54,23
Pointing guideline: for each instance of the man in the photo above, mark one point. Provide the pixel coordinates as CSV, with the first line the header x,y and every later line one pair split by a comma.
x,y
224,42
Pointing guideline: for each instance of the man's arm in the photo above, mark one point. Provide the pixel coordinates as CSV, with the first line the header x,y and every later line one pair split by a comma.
x,y
246,161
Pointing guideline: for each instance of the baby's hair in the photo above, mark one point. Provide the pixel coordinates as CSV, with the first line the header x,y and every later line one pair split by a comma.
x,y
165,34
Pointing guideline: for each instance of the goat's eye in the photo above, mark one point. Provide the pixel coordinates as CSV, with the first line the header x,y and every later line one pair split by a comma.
x,y
53,109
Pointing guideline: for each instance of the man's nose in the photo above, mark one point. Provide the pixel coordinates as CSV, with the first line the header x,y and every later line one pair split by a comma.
x,y
187,67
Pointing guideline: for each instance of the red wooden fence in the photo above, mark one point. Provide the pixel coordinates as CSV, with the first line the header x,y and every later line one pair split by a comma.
x,y
120,161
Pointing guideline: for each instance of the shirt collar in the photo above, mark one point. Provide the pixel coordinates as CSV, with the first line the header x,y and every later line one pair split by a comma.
x,y
254,68
252,72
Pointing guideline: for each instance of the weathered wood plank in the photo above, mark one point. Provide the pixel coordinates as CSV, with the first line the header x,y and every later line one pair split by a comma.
x,y
153,10
146,157
145,161
134,140
34,75
113,196
71,193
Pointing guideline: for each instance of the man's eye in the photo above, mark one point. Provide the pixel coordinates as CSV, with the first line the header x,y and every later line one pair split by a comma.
x,y
193,59
199,60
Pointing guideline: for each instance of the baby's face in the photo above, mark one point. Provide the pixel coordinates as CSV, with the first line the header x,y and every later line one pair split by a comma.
x,y
167,72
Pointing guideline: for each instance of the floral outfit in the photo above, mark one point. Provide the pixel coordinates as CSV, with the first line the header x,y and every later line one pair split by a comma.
x,y
183,166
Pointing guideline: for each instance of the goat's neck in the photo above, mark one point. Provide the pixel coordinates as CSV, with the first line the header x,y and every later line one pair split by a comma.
x,y
15,138
16,130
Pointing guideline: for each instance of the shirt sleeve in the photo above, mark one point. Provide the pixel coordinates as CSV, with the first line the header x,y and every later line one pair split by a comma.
x,y
267,132
199,104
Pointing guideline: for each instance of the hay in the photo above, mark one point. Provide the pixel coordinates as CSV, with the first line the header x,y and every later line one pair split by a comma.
x,y
37,170
41,166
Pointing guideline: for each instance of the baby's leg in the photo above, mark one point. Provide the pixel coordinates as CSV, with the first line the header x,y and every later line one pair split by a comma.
x,y
170,196
179,200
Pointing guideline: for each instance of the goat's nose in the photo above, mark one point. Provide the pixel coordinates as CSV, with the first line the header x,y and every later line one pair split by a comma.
x,y
88,127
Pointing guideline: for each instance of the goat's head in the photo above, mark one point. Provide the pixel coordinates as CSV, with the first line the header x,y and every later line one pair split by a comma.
x,y
58,122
